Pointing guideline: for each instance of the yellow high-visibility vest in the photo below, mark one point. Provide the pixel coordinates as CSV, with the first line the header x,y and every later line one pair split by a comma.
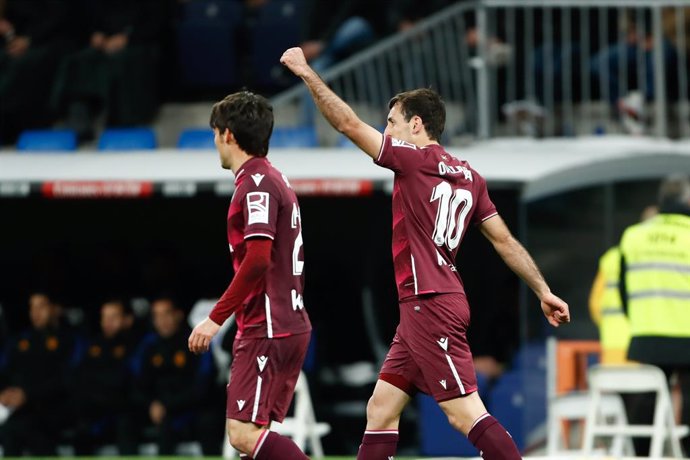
x,y
606,309
657,276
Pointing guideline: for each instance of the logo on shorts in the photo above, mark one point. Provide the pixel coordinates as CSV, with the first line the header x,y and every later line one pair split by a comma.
x,y
443,384
443,343
262,362
257,204
240,403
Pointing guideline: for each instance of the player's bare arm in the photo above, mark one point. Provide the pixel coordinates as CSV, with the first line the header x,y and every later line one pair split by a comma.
x,y
520,262
334,109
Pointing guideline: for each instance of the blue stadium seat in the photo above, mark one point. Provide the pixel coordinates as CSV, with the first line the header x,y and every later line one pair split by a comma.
x,y
196,138
294,136
206,45
127,139
276,29
58,141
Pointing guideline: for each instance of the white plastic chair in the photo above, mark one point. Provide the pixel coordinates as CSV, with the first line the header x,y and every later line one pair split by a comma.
x,y
608,379
572,407
302,427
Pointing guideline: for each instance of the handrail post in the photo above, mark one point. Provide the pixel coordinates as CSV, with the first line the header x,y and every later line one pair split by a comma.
x,y
483,95
659,73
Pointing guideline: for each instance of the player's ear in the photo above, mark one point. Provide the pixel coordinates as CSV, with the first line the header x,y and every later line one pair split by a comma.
x,y
227,136
417,124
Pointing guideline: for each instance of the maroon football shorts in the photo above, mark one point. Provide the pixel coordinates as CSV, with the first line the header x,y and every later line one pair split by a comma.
x,y
430,352
263,376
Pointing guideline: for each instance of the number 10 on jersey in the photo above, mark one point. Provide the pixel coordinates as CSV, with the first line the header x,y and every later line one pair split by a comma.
x,y
453,208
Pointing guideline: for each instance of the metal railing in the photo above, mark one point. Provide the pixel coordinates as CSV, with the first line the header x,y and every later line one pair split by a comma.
x,y
532,67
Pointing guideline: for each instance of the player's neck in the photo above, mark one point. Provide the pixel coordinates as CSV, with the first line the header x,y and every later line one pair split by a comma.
x,y
239,158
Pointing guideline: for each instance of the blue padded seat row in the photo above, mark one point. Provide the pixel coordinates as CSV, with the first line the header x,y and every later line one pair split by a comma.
x,y
206,44
127,139
196,138
294,136
47,140
276,28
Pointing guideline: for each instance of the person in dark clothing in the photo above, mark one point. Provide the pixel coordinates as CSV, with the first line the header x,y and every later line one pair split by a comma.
x,y
116,72
101,382
174,388
33,40
33,381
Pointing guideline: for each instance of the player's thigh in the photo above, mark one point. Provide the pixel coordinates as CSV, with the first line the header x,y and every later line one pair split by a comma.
x,y
385,406
243,435
463,411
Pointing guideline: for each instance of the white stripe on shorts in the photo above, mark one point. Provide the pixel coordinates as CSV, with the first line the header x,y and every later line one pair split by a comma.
x,y
257,396
269,320
455,374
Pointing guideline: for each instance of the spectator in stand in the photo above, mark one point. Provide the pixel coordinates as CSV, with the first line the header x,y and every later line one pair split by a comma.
x,y
116,72
332,32
33,381
174,389
100,396
634,57
33,39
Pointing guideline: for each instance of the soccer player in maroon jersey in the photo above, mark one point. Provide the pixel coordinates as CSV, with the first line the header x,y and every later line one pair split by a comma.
x,y
436,196
265,236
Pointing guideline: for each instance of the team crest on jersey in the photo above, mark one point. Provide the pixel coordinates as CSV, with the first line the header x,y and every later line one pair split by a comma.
x,y
257,204
257,178
398,143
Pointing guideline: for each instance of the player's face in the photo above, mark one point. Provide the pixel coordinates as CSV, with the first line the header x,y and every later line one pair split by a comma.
x,y
396,126
222,147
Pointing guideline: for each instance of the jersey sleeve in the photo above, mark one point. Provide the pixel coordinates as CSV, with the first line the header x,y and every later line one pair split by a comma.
x,y
260,204
484,208
398,156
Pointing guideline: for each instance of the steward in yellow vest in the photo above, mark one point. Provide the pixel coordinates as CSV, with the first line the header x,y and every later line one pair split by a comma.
x,y
655,290
606,309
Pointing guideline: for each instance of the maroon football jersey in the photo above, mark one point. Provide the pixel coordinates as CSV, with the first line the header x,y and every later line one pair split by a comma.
x,y
435,197
264,205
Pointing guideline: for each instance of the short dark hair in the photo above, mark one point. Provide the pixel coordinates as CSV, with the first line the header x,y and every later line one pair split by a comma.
x,y
675,190
427,105
249,117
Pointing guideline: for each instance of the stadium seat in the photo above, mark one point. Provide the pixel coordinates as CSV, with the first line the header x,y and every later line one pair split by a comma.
x,y
196,138
114,139
276,19
294,136
206,45
57,141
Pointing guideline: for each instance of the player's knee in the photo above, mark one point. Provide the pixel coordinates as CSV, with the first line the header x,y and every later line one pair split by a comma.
x,y
379,415
239,436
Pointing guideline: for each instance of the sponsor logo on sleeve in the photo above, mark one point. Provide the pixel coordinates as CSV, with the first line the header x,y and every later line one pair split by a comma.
x,y
257,204
398,143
